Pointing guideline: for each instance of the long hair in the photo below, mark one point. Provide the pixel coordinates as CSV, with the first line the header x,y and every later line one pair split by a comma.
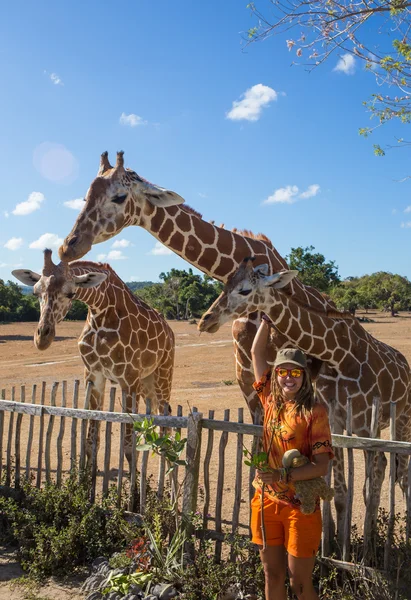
x,y
304,400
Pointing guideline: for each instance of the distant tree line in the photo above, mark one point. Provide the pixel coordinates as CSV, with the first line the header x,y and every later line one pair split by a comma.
x,y
184,295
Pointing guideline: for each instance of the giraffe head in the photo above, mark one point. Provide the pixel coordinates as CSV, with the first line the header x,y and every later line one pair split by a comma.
x,y
55,288
116,198
245,292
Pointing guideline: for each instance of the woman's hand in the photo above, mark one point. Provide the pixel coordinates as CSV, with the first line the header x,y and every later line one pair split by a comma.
x,y
268,477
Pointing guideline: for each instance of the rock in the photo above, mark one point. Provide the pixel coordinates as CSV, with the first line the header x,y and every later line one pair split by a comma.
x,y
93,583
150,597
135,589
98,562
113,596
131,596
95,596
164,591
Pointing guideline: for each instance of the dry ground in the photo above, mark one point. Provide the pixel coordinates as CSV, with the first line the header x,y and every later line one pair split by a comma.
x,y
204,377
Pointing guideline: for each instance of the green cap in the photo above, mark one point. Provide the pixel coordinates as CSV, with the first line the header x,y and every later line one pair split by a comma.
x,y
291,355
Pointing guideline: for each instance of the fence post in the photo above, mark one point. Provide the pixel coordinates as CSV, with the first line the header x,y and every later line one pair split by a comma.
x,y
350,488
390,531
193,454
369,537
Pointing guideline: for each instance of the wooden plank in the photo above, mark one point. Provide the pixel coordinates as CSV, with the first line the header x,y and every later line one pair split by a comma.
x,y
73,437
107,452
350,487
9,441
17,440
408,525
174,474
193,453
133,474
41,434
326,512
238,474
94,451
121,452
369,485
47,453
220,484
83,428
61,435
144,463
30,435
390,529
356,568
3,397
162,462
207,460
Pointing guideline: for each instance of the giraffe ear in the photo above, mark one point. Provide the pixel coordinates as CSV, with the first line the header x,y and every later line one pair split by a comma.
x,y
161,197
262,269
89,280
279,280
26,276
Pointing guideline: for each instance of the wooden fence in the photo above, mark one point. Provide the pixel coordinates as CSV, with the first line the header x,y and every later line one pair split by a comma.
x,y
28,449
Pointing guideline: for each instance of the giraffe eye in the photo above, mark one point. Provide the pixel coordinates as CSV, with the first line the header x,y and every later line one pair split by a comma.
x,y
244,292
71,295
119,199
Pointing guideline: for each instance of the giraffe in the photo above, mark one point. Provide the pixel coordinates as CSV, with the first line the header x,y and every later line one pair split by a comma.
x,y
118,198
366,367
124,340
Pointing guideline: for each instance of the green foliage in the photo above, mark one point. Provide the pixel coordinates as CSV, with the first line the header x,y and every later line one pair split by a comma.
x,y
149,438
182,295
58,529
138,285
78,311
15,305
313,269
382,290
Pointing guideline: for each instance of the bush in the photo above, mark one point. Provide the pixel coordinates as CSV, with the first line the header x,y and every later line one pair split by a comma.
x,y
58,529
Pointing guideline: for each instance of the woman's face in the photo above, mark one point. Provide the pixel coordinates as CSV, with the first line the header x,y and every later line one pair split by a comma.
x,y
290,386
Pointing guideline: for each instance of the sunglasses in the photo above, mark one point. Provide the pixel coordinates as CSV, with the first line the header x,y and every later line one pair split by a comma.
x,y
296,373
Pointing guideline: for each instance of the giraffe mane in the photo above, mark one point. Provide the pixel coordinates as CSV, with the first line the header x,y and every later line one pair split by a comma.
x,y
333,314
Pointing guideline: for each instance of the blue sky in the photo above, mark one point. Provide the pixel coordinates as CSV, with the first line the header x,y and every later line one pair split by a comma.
x,y
245,138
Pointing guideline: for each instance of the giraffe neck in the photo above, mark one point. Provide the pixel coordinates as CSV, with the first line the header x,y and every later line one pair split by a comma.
x,y
324,338
214,250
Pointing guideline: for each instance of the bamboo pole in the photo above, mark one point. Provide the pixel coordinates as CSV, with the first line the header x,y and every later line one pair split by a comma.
x,y
83,429
17,440
220,485
49,433
350,488
207,460
73,437
133,474
3,397
61,434
144,462
121,452
390,530
41,435
30,436
107,453
9,440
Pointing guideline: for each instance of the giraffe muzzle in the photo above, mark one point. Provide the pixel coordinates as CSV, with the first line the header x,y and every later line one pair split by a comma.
x,y
44,337
207,324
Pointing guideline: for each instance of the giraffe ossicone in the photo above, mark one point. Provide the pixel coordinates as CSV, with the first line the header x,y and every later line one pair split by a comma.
x,y
124,340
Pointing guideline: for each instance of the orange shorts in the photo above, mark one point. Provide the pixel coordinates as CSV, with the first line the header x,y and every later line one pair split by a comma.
x,y
286,526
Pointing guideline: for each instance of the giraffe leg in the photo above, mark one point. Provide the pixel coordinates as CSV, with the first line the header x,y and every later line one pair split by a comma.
x,y
404,435
127,403
375,465
340,488
96,402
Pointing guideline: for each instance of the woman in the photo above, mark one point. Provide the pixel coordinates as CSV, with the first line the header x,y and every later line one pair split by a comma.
x,y
292,419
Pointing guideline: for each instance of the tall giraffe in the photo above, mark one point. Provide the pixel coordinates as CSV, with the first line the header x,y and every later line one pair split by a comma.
x,y
118,198
124,340
366,367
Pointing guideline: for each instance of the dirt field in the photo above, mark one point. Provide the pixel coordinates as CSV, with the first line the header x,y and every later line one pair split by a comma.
x,y
204,377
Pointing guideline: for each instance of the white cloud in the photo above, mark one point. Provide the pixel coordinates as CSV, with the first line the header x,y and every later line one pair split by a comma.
x,y
253,101
408,209
112,255
30,205
406,225
121,244
160,250
285,195
132,120
395,211
76,204
311,191
47,240
56,79
6,214
291,193
346,64
14,243
202,195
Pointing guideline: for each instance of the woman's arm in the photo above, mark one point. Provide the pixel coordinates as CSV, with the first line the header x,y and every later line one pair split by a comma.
x,y
259,350
317,468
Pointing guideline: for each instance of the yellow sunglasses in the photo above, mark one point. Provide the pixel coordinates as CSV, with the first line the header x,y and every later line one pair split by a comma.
x,y
296,373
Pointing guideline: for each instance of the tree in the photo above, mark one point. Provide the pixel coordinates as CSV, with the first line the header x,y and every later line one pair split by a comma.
x,y
313,269
377,32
